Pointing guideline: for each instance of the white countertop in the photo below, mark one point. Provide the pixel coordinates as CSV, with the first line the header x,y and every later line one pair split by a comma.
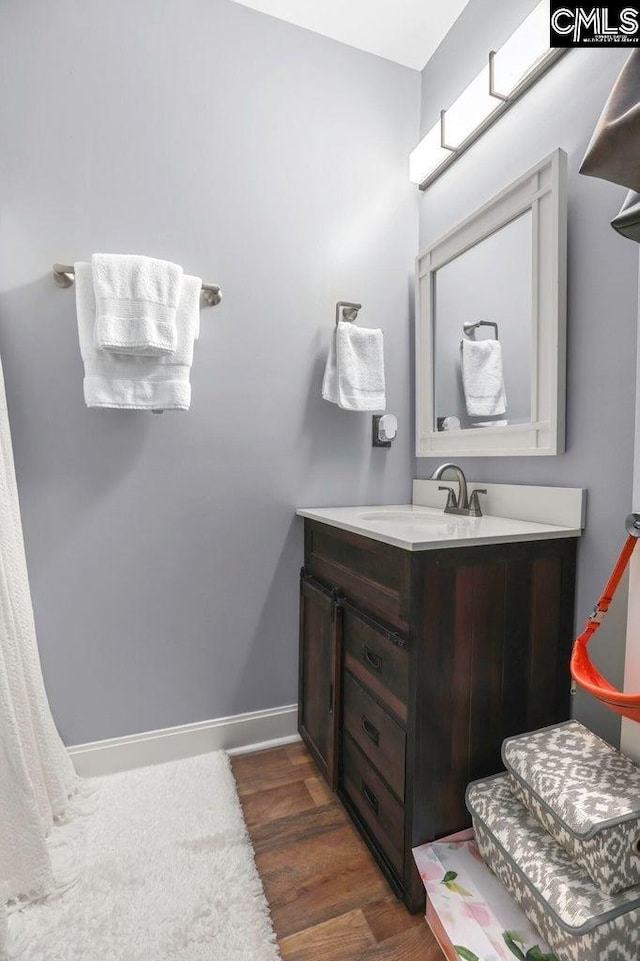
x,y
419,528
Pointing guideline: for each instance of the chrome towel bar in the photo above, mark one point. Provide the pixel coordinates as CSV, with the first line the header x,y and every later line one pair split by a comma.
x,y
64,275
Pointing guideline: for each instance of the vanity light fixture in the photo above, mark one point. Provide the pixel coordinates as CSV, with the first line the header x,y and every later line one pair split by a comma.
x,y
511,70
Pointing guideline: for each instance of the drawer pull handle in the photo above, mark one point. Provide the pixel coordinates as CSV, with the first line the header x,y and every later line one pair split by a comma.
x,y
370,730
370,797
373,660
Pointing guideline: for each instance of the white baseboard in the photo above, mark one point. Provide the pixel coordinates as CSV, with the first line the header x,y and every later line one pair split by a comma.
x,y
238,734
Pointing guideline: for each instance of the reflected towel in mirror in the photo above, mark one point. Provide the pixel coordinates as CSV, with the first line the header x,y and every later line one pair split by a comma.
x,y
482,378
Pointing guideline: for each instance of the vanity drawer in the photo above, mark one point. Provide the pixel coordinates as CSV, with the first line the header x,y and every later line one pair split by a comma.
x,y
374,803
374,575
377,735
377,658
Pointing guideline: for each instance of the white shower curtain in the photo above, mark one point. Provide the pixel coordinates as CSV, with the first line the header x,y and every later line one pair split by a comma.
x,y
37,777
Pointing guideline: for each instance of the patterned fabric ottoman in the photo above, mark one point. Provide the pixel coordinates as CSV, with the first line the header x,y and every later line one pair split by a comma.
x,y
568,909
586,794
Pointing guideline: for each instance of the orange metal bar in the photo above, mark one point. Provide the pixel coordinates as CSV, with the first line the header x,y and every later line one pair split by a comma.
x,y
583,671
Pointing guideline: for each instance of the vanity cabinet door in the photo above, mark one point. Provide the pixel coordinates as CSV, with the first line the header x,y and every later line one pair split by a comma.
x,y
319,674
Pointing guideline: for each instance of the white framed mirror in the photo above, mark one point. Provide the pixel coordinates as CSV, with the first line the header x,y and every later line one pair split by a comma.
x,y
491,325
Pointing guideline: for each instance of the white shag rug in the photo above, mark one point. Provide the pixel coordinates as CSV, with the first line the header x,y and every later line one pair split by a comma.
x,y
169,875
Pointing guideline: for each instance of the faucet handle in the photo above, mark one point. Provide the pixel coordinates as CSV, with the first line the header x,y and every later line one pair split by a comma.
x,y
452,500
474,501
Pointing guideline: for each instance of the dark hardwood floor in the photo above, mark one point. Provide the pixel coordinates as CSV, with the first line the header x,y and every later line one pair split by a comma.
x,y
328,899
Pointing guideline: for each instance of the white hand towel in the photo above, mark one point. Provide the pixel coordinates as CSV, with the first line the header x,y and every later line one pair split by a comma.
x,y
136,303
482,378
354,373
330,379
137,383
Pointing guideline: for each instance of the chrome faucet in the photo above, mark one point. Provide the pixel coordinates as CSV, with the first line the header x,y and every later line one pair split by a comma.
x,y
462,504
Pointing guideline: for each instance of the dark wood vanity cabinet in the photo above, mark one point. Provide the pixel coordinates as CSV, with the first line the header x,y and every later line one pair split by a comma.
x,y
319,675
414,666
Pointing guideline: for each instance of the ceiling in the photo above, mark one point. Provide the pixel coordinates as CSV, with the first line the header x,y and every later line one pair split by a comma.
x,y
405,31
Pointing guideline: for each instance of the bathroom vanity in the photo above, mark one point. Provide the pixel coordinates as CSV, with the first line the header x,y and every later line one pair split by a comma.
x,y
425,640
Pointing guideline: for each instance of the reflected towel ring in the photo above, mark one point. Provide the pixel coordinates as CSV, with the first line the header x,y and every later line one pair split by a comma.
x,y
470,328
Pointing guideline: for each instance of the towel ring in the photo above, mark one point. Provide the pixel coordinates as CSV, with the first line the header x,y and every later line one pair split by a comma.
x,y
470,328
64,276
349,312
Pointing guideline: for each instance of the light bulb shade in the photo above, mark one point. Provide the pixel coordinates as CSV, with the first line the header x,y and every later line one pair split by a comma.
x,y
427,156
522,51
470,110
518,63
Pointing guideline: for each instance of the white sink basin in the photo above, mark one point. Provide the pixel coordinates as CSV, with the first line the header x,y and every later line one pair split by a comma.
x,y
403,517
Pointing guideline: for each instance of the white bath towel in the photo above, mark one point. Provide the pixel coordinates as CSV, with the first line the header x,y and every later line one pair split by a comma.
x,y
482,378
136,303
137,383
354,373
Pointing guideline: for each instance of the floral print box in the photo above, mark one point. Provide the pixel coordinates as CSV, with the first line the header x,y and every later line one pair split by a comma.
x,y
470,913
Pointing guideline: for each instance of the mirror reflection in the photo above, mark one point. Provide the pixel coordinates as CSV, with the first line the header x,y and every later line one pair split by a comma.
x,y
482,309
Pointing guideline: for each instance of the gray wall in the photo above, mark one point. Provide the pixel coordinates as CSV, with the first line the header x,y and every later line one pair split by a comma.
x,y
560,111
163,551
